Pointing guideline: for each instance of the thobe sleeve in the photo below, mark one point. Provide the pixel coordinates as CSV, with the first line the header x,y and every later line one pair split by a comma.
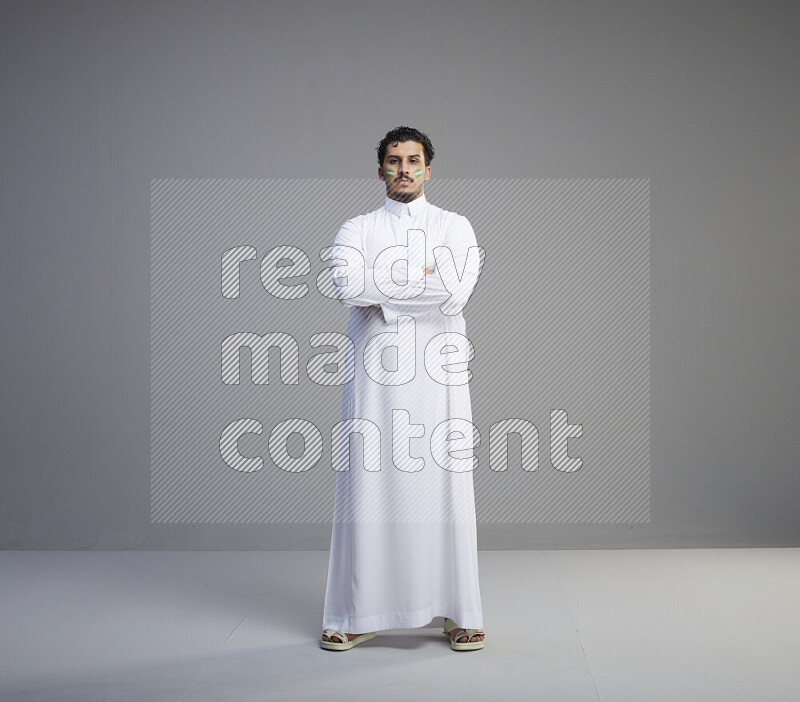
x,y
448,289
353,282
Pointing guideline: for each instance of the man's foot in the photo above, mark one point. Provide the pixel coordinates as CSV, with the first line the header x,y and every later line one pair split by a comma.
x,y
337,639
333,640
460,636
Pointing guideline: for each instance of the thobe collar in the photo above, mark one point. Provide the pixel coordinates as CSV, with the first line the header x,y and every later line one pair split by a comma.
x,y
412,208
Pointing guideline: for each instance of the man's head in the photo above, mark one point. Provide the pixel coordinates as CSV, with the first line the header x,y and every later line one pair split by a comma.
x,y
404,163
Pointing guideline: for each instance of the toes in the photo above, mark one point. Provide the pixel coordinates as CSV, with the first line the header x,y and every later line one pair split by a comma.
x,y
462,638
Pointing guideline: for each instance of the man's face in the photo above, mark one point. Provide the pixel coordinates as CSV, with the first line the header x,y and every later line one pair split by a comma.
x,y
404,170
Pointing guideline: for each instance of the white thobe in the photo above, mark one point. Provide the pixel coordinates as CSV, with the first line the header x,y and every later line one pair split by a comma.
x,y
403,543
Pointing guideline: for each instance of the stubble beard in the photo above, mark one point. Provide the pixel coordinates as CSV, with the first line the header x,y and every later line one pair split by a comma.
x,y
404,195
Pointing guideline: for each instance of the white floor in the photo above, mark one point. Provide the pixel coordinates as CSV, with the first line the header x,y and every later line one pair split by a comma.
x,y
677,625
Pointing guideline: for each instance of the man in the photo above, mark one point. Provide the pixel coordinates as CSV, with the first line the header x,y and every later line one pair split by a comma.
x,y
403,545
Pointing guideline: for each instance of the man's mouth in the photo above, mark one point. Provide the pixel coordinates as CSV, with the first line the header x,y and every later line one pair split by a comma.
x,y
404,180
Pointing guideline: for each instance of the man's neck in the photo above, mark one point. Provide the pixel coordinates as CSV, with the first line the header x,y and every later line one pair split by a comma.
x,y
405,199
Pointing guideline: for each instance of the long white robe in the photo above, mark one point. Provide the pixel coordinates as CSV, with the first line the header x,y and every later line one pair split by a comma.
x,y
403,544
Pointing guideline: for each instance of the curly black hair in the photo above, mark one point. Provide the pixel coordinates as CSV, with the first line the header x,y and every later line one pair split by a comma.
x,y
405,134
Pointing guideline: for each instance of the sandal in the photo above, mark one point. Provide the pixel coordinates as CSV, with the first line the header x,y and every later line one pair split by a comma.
x,y
450,626
346,643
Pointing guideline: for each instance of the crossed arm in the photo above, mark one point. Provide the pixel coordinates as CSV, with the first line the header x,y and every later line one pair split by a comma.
x,y
444,289
426,271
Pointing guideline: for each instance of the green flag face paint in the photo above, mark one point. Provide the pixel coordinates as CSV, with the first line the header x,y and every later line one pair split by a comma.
x,y
418,173
390,172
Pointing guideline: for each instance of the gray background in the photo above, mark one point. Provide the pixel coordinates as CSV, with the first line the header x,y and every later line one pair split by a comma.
x,y
559,321
100,98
